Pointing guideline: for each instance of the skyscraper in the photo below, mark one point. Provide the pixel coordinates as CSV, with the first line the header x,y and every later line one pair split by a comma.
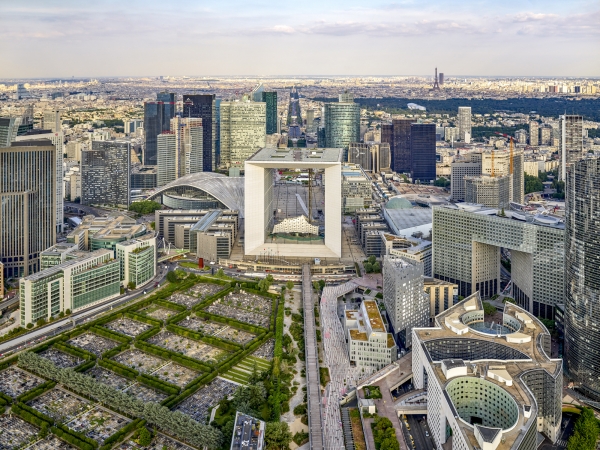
x,y
270,98
422,151
534,137
243,126
52,120
402,160
105,173
342,124
157,118
167,157
582,286
571,141
28,204
204,107
464,123
346,97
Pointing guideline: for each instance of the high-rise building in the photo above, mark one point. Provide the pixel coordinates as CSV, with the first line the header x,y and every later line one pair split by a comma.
x,y
52,121
157,118
441,78
489,191
168,158
582,284
243,130
217,133
534,138
401,154
372,156
257,93
105,173
405,300
270,98
464,123
501,164
28,204
57,140
204,107
8,130
422,151
521,136
346,97
188,152
466,251
310,118
469,166
571,141
342,124
546,135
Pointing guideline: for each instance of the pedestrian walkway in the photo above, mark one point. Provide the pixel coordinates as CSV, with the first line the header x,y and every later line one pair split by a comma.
x,y
313,385
342,375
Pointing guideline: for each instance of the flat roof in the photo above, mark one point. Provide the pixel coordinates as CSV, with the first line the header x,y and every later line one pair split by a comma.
x,y
298,155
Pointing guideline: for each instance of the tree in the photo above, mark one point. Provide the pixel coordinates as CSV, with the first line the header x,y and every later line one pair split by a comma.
x,y
376,267
368,267
321,284
172,277
277,436
533,184
29,326
145,437
585,433
67,312
372,259
442,182
131,285
220,273
289,285
488,309
41,321
144,207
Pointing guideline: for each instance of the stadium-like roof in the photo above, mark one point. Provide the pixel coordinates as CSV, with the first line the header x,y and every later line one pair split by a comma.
x,y
228,190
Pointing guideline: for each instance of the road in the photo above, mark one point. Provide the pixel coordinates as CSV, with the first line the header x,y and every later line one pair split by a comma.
x,y
37,335
89,209
567,425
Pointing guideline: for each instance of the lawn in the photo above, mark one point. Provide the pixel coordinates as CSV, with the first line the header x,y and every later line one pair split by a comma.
x,y
241,372
357,430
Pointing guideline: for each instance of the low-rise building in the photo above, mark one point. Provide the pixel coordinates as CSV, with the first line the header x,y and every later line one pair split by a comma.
x,y
138,260
370,346
105,232
72,285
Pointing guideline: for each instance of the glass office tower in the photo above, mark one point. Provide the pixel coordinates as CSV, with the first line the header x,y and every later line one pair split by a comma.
x,y
270,98
204,107
157,118
342,124
582,287
422,150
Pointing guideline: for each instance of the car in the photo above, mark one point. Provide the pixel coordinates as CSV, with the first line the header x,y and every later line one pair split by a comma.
x,y
426,433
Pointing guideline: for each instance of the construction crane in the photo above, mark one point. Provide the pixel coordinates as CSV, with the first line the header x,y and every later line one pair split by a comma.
x,y
511,139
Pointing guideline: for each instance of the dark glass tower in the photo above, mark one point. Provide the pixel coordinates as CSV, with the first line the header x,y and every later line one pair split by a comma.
x,y
422,152
157,118
402,151
582,284
270,98
203,107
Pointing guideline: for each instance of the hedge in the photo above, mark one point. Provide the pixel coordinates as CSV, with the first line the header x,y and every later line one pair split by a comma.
x,y
178,317
119,368
73,440
122,434
159,384
5,399
277,354
75,436
36,392
232,322
144,319
105,332
85,366
9,362
74,351
148,334
115,351
170,305
25,413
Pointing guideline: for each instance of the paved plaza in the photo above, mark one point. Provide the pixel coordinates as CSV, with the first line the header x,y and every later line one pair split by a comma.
x,y
127,326
98,424
198,405
140,361
188,347
109,378
60,359
158,312
93,343
14,381
217,329
266,350
14,432
336,359
61,405
176,374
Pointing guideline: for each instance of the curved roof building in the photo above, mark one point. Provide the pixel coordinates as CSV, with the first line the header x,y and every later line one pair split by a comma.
x,y
490,385
203,190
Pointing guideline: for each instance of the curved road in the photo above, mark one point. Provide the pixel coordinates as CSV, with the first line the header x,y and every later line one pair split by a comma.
x,y
37,335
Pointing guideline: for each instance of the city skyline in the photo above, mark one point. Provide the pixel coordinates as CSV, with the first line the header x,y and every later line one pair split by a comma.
x,y
486,39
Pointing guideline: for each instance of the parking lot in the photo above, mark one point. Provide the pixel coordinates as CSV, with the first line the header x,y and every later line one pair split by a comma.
x,y
60,359
93,343
128,327
14,381
98,424
61,405
198,405
188,347
15,432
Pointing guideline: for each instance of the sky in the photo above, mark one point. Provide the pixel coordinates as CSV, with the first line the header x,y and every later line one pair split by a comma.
x,y
99,38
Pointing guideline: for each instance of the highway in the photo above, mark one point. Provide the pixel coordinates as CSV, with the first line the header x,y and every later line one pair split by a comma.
x,y
37,335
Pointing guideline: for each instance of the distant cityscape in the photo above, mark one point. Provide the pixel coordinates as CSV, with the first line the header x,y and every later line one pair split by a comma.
x,y
329,263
